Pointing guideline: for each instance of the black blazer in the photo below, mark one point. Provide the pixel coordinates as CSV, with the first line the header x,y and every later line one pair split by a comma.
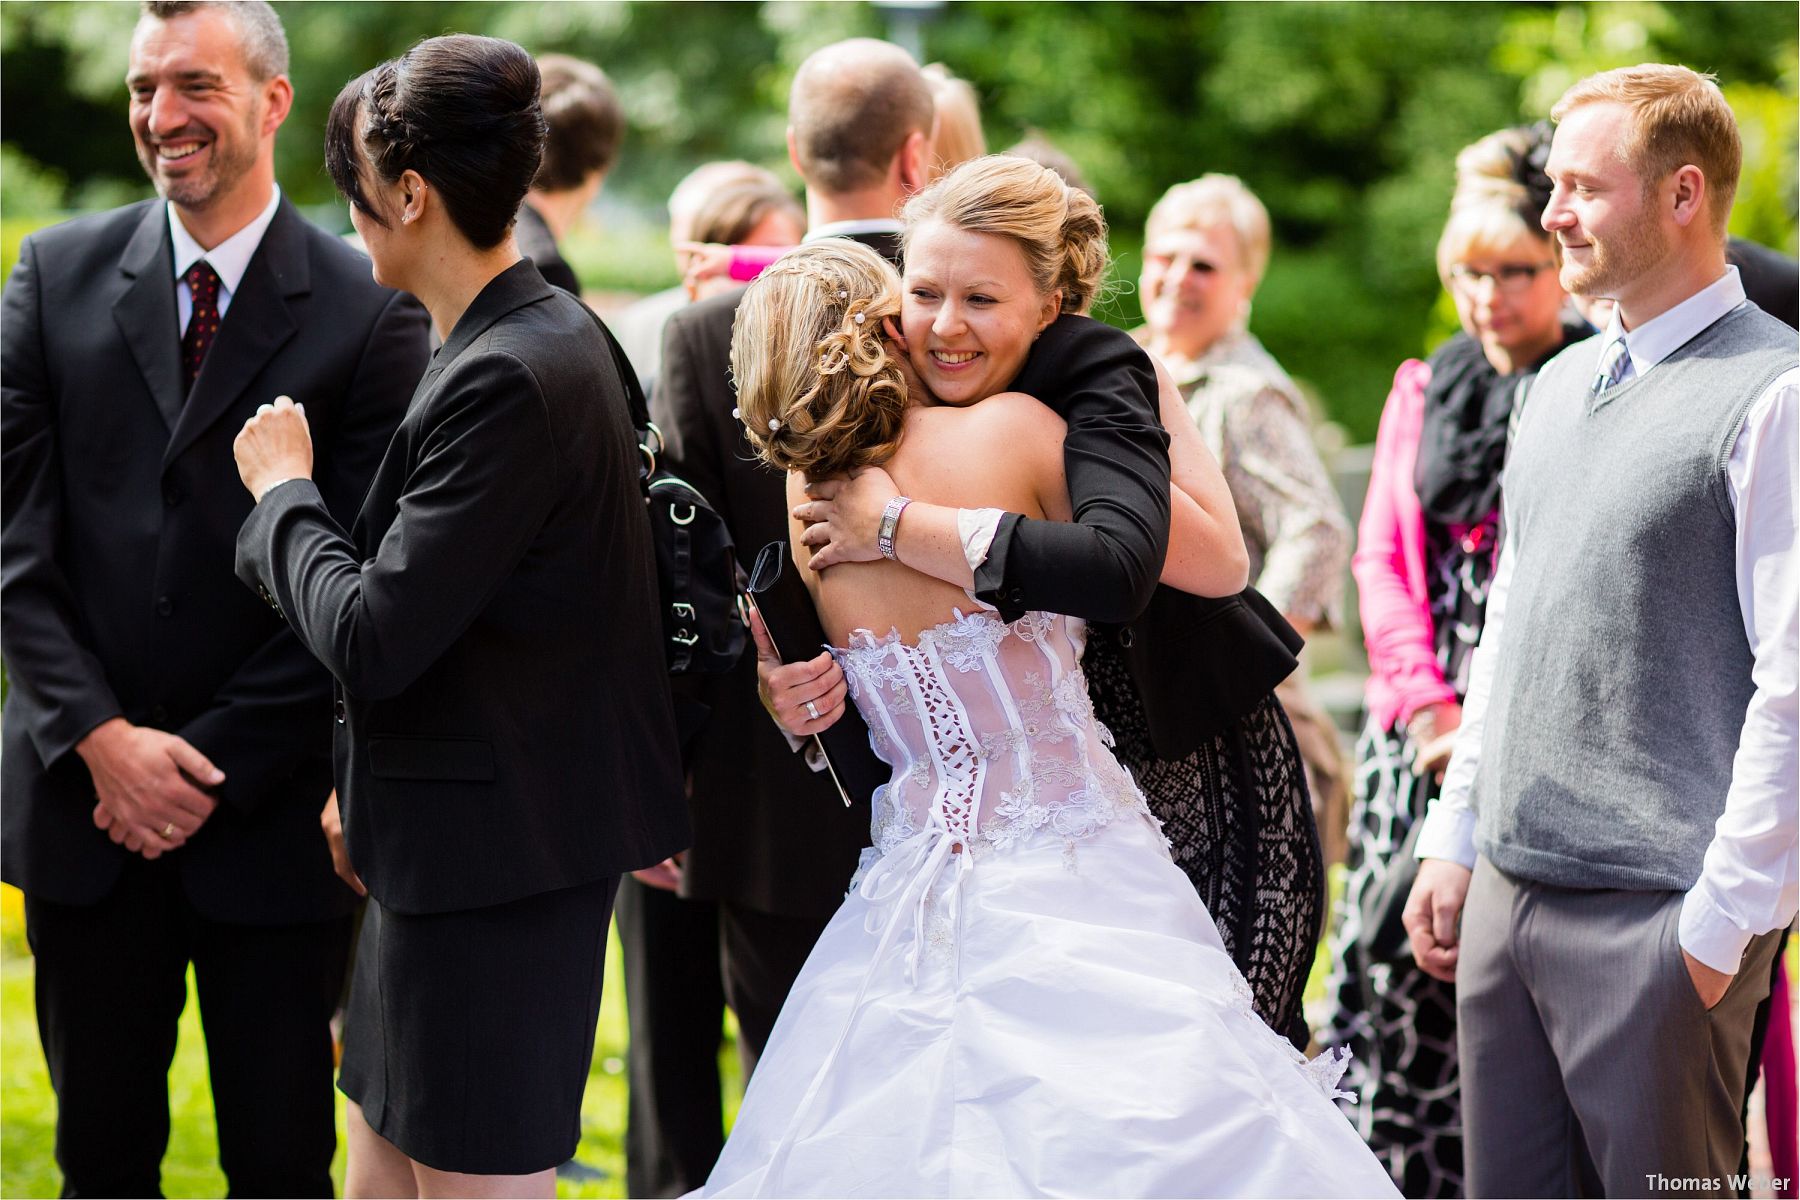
x,y
769,833
121,503
1199,665
504,724
535,241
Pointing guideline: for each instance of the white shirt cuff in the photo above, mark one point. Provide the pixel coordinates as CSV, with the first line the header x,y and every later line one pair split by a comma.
x,y
977,527
279,482
1448,833
1708,934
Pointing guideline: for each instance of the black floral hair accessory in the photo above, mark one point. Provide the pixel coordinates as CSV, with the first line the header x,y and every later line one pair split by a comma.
x,y
1528,170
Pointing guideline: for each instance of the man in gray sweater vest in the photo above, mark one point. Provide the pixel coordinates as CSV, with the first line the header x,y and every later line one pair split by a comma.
x,y
1613,854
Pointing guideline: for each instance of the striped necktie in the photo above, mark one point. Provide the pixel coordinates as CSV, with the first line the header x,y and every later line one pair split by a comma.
x,y
1613,365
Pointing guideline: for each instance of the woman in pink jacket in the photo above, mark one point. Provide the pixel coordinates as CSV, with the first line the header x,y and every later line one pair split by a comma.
x,y
1426,548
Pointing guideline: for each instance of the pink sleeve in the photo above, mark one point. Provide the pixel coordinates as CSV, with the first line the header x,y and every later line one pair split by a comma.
x,y
747,262
1389,564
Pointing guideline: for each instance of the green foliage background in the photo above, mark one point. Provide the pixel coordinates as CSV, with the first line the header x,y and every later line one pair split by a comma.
x,y
1343,117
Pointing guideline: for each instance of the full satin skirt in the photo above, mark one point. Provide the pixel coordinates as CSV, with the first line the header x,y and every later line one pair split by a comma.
x,y
1054,1019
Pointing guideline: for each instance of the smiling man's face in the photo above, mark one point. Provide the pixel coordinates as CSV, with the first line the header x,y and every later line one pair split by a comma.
x,y
1601,212
196,113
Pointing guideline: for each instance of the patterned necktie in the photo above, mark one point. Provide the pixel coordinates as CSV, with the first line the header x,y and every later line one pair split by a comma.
x,y
203,326
1613,365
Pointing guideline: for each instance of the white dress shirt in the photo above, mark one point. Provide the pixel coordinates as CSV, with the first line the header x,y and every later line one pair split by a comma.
x,y
1750,877
229,259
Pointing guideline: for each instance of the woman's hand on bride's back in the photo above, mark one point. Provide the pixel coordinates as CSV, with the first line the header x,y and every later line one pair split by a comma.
x,y
843,517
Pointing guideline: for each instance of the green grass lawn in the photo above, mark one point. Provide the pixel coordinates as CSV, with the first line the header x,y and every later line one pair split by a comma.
x,y
28,1108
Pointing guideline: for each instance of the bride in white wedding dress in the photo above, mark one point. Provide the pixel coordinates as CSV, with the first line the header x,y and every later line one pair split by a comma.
x,y
1021,995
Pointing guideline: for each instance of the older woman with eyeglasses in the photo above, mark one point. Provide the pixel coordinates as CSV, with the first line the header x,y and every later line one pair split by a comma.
x,y
1425,553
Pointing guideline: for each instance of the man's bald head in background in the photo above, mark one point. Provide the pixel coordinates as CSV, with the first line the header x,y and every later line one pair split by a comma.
x,y
858,108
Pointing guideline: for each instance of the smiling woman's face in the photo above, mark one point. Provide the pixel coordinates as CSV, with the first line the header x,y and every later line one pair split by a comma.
x,y
969,311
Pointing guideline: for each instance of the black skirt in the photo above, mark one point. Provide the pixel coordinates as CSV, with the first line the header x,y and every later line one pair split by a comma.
x,y
469,1034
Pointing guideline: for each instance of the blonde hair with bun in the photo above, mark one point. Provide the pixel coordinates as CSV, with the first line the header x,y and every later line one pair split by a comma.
x,y
1491,208
818,390
1059,228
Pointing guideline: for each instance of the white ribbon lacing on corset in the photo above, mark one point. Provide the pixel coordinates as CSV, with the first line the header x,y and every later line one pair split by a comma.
x,y
901,879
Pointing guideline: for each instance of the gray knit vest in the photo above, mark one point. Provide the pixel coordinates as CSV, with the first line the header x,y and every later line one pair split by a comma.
x,y
1624,669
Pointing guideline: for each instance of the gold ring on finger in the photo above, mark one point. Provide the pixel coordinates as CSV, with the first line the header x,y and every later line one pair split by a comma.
x,y
169,829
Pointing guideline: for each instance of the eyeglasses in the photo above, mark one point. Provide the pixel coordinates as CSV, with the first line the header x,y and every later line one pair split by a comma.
x,y
1511,279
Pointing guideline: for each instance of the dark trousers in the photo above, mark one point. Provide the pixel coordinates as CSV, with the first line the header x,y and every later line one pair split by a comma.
x,y
111,981
760,954
674,1123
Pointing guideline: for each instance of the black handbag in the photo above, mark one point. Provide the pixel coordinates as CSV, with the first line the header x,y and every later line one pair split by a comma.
x,y
697,573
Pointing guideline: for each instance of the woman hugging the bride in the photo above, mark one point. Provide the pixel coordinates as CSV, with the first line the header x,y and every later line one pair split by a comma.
x,y
1022,994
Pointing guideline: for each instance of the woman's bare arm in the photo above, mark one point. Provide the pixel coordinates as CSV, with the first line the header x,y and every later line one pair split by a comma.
x,y
1206,545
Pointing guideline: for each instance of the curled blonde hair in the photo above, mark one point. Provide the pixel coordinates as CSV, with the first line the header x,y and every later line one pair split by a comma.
x,y
1058,227
818,390
1678,116
1215,199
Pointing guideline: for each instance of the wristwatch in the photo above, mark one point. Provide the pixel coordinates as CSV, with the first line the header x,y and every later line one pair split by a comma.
x,y
890,523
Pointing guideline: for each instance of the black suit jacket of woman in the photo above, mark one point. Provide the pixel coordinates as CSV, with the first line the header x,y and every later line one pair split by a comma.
x,y
504,718
1199,665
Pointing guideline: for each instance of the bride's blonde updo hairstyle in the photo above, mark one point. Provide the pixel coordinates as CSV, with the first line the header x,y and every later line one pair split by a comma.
x,y
1059,228
818,390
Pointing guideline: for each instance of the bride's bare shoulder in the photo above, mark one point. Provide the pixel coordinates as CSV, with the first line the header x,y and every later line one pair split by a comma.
x,y
1006,415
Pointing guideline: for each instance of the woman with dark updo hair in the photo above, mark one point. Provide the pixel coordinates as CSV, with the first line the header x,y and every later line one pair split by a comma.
x,y
505,746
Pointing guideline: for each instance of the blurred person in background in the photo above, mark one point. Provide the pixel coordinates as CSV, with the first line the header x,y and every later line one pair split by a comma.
x,y
1045,153
716,263
586,126
755,214
1206,246
640,327
957,137
1424,559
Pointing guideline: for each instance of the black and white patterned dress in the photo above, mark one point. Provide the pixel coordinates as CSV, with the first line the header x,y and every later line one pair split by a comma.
x,y
1240,825
1398,1022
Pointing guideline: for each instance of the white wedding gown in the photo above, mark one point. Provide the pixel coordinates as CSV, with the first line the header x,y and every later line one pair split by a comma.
x,y
1022,995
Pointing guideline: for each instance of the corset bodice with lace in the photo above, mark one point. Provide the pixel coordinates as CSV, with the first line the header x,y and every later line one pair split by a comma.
x,y
990,734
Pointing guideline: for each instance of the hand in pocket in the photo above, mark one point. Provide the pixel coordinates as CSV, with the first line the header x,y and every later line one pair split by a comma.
x,y
1709,985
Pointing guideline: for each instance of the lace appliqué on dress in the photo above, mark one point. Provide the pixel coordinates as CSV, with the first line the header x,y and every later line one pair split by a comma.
x,y
1324,1071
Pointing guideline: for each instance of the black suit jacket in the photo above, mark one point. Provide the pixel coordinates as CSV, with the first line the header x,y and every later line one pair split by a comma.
x,y
492,621
535,241
1199,665
1771,279
121,502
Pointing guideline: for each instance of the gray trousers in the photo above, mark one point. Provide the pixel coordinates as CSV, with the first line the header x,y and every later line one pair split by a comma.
x,y
1589,1065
